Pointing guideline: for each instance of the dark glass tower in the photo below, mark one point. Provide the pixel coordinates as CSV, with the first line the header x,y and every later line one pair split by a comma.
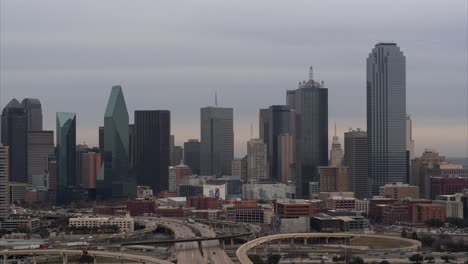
x,y
152,133
15,135
66,155
355,158
311,101
274,121
192,155
116,180
217,141
34,110
386,115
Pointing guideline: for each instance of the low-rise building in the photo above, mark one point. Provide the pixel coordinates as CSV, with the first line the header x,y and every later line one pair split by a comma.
x,y
424,212
400,191
176,201
14,223
325,223
125,224
340,202
354,224
140,207
246,215
453,204
362,205
202,203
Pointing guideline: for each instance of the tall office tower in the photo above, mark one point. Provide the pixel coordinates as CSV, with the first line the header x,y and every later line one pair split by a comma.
x,y
131,145
90,169
257,166
355,158
171,148
409,146
425,167
52,173
217,140
33,109
80,150
152,136
178,175
285,157
101,139
334,179
177,155
116,180
239,168
336,152
66,155
4,199
40,147
311,139
15,135
386,115
291,99
274,121
192,155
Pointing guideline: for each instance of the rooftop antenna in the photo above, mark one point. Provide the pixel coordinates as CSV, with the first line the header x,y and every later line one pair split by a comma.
x,y
335,129
251,130
216,98
311,73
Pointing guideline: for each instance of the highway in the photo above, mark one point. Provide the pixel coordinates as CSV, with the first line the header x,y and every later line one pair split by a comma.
x,y
212,250
186,252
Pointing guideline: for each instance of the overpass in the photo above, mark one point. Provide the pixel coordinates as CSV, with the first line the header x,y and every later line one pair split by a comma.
x,y
241,252
193,239
65,253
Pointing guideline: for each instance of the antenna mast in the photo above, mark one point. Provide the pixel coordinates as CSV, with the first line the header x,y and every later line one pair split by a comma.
x,y
251,130
311,73
216,98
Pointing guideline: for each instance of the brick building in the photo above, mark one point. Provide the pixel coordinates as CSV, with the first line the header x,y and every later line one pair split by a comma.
x,y
447,186
140,207
424,212
202,202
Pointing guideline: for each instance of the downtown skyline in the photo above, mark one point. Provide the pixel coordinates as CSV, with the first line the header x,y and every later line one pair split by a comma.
x,y
158,81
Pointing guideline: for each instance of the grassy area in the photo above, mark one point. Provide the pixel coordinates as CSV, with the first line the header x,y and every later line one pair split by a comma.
x,y
378,243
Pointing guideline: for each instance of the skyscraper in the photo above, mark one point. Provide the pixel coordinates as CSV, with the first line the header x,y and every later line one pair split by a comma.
x,y
40,147
409,146
15,135
152,136
116,180
177,155
311,137
217,140
257,167
192,155
274,121
66,155
4,199
90,169
80,150
355,158
336,152
285,157
33,109
386,115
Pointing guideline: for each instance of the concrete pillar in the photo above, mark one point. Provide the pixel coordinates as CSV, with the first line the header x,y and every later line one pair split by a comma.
x,y
326,240
64,258
279,245
265,245
222,244
305,240
5,257
94,259
34,259
232,242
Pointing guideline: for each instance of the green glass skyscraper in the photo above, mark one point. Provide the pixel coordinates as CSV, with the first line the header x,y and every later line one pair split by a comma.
x,y
66,154
117,181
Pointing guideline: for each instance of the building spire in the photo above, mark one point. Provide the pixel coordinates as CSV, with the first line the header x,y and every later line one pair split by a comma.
x,y
311,73
216,98
335,129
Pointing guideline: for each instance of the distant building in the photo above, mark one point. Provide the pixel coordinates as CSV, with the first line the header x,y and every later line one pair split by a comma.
x,y
355,158
217,140
340,202
91,167
336,152
17,192
188,190
14,127
66,155
125,224
453,204
400,191
409,145
178,175
285,157
447,186
311,135
257,167
4,186
192,155
386,115
268,191
152,131
40,147
314,190
202,203
334,179
354,224
140,207
177,155
239,168
425,212
12,224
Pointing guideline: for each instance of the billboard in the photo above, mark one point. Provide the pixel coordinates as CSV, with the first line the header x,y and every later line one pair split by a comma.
x,y
216,191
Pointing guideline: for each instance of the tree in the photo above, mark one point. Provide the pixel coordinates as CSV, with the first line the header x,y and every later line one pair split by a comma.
x,y
434,223
44,233
404,234
356,260
414,236
429,259
3,232
85,258
256,259
338,258
416,258
273,259
384,262
447,258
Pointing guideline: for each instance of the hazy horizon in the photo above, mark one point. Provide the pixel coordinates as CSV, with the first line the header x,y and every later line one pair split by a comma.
x,y
174,56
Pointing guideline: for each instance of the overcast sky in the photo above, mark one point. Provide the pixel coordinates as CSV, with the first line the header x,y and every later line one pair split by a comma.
x,y
175,54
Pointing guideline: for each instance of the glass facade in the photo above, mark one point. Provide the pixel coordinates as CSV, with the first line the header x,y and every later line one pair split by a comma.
x,y
66,154
386,115
117,181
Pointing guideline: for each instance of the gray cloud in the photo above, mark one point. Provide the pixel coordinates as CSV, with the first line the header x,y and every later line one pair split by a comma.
x,y
175,54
